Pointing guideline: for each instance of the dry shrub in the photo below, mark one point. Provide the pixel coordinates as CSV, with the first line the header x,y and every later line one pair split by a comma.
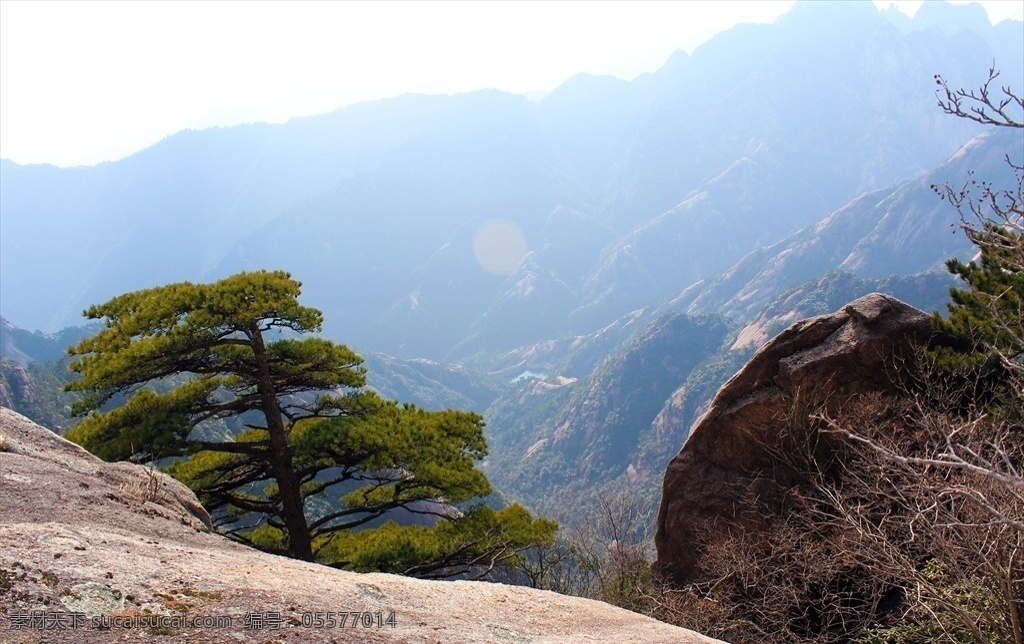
x,y
912,531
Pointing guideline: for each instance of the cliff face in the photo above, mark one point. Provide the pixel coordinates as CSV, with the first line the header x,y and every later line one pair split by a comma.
x,y
115,540
15,386
732,452
36,392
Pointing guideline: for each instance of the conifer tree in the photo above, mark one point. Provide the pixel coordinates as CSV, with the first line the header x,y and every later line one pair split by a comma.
x,y
276,434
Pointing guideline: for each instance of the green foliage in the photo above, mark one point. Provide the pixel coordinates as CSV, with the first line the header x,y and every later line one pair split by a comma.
x,y
313,454
475,544
394,456
267,537
995,294
211,331
996,282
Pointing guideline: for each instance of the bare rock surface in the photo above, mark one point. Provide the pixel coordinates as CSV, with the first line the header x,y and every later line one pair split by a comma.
x,y
96,542
728,457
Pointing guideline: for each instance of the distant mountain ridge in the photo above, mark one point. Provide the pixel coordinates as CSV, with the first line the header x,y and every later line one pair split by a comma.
x,y
626,192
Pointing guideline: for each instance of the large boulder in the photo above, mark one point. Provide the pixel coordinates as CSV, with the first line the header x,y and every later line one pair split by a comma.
x,y
124,553
732,453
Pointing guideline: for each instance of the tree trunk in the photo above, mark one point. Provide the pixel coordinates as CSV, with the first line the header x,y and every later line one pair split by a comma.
x,y
292,509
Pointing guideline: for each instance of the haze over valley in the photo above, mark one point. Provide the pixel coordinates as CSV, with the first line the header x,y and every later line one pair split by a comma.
x,y
506,235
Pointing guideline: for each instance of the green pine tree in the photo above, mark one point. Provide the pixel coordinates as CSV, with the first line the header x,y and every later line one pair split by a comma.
x,y
277,434
987,314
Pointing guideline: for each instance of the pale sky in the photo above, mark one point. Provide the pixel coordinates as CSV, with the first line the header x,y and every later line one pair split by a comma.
x,y
84,82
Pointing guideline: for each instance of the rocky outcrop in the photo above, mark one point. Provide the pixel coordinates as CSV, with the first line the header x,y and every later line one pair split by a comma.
x,y
15,385
730,455
127,547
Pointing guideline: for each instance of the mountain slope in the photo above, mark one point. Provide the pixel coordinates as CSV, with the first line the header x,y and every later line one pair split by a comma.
x,y
904,229
556,440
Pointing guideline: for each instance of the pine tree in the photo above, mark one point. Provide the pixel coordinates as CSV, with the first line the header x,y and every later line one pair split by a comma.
x,y
988,313
277,434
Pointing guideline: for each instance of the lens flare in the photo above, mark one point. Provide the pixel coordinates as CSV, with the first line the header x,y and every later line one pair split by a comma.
x,y
499,246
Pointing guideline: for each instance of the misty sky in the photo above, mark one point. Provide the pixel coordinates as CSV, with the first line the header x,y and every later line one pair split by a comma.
x,y
83,82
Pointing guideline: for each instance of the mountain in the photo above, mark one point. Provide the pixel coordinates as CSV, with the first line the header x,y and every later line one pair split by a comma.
x,y
558,434
25,347
567,430
623,193
900,230
585,270
430,384
554,440
605,410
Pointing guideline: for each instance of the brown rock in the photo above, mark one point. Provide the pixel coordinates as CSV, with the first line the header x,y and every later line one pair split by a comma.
x,y
106,541
818,361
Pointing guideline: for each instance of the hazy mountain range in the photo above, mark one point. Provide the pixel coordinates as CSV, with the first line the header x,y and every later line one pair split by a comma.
x,y
671,224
